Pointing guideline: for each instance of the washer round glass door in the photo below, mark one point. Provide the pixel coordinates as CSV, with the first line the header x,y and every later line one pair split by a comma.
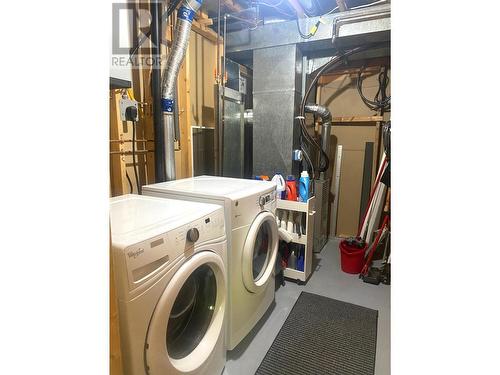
x,y
259,252
188,319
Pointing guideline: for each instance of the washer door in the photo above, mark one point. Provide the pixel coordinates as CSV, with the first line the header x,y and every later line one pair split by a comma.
x,y
187,322
259,252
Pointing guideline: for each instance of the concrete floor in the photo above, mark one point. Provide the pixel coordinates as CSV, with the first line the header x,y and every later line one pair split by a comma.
x,y
327,280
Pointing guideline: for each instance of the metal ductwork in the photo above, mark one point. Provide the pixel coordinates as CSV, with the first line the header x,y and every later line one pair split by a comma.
x,y
277,82
185,17
326,118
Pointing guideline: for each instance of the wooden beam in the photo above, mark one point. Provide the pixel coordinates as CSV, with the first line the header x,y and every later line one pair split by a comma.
x,y
205,21
183,155
371,66
204,31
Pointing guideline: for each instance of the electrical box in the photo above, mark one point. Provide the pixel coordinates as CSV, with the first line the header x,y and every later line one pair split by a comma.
x,y
124,104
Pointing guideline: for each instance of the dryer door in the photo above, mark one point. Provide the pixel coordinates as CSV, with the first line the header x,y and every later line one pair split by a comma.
x,y
259,252
188,319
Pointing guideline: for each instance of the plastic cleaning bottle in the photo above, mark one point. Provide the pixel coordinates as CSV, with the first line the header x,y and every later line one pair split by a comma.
x,y
304,186
300,261
291,188
280,185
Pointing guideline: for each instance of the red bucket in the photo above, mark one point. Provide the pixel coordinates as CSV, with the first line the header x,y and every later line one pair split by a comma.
x,y
351,258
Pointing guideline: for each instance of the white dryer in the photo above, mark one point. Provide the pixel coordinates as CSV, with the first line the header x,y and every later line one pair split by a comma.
x,y
252,237
168,258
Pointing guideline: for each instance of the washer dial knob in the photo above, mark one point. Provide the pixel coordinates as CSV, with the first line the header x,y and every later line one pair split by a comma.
x,y
193,234
262,201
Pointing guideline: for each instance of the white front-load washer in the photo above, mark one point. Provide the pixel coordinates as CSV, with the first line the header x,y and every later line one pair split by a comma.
x,y
168,259
252,237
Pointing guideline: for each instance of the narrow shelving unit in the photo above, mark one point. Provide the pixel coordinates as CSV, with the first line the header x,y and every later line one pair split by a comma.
x,y
304,239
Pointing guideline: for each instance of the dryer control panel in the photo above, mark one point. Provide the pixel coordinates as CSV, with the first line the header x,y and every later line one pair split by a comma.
x,y
245,210
267,201
148,258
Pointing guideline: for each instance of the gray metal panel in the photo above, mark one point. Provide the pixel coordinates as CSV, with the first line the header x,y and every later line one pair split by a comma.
x,y
369,27
233,139
274,133
203,150
279,69
276,97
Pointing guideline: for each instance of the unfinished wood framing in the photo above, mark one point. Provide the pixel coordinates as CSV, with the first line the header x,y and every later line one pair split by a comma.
x,y
354,124
196,107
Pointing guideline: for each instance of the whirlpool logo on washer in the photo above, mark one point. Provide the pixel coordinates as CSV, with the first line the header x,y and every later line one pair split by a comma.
x,y
135,253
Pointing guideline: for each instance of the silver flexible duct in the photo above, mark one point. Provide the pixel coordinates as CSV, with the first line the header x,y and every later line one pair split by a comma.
x,y
326,124
175,58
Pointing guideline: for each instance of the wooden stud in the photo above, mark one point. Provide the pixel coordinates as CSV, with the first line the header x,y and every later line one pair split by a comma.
x,y
115,168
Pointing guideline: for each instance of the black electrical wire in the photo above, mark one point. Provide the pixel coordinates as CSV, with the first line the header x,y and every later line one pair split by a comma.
x,y
303,36
171,7
381,100
336,60
134,162
129,182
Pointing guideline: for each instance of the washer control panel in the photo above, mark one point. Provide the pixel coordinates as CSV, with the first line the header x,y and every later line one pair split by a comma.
x,y
146,258
268,201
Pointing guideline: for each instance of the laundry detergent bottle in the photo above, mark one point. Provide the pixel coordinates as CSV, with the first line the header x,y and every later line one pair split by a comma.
x,y
291,188
280,185
304,186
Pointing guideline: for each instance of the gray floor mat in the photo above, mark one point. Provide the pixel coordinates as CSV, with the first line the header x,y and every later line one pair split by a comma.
x,y
324,336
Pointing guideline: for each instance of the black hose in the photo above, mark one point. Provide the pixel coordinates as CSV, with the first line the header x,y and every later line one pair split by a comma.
x,y
302,35
134,162
129,182
336,60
